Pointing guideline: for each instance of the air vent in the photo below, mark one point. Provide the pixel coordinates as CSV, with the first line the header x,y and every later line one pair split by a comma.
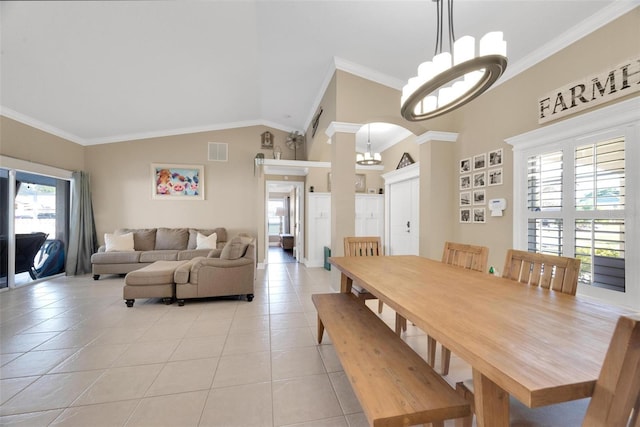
x,y
218,151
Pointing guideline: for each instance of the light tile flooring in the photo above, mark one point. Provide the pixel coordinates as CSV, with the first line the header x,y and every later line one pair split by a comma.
x,y
72,354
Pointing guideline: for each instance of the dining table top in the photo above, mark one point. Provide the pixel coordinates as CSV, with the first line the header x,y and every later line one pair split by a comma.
x,y
540,346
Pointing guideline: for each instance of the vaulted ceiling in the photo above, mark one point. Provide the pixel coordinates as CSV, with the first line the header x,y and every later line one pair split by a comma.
x,y
105,71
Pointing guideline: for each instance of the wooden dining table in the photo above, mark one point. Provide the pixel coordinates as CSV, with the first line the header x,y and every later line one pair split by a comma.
x,y
540,346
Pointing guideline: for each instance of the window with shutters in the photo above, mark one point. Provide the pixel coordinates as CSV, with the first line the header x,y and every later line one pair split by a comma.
x,y
573,196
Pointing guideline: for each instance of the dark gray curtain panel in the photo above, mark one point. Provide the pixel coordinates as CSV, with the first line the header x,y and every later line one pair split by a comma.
x,y
83,240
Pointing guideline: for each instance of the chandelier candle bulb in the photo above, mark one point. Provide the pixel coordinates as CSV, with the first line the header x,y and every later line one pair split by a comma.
x,y
464,49
493,44
441,62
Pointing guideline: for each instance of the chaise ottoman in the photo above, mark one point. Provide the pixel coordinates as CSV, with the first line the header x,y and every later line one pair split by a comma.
x,y
153,281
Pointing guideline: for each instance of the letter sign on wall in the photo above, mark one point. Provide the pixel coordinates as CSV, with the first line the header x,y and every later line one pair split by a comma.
x,y
591,91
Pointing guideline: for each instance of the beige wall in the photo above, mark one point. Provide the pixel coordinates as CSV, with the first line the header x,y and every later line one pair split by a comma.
x,y
24,142
511,109
317,147
234,193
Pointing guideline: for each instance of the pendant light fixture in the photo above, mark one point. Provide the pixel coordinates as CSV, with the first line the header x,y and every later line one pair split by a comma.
x,y
450,80
369,158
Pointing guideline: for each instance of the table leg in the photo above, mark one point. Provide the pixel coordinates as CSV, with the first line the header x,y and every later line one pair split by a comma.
x,y
345,284
491,402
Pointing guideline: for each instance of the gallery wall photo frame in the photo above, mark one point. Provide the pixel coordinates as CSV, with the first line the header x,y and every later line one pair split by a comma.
x,y
479,179
465,165
495,176
465,182
177,182
495,158
465,198
479,215
479,161
479,197
465,215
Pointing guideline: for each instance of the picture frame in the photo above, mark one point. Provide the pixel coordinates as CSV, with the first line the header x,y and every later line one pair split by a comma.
x,y
479,179
465,165
479,215
266,140
360,182
495,158
465,198
465,215
177,182
479,161
465,182
495,177
479,197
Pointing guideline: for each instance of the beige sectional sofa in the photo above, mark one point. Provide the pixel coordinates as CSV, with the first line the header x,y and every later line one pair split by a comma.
x,y
155,244
232,272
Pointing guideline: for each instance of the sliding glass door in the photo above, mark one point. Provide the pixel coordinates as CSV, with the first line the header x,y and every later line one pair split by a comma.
x,y
34,226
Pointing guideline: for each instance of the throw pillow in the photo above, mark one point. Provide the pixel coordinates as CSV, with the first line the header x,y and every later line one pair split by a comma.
x,y
172,238
234,248
206,242
118,242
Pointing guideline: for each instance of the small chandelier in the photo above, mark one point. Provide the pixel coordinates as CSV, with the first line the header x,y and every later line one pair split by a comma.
x,y
369,158
450,81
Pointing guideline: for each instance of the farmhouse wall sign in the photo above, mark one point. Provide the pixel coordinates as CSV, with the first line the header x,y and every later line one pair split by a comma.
x,y
608,85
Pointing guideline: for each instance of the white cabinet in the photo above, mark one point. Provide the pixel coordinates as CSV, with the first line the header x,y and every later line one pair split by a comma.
x,y
318,227
369,221
370,215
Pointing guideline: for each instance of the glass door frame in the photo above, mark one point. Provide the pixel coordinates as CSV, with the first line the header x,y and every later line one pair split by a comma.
x,y
14,166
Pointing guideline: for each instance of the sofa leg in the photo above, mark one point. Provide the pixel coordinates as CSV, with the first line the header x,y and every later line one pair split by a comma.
x,y
130,302
249,297
167,301
180,302
96,276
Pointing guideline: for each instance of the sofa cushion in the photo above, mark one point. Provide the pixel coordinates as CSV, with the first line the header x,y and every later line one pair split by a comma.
x,y
236,247
220,232
118,242
206,242
115,257
192,253
144,239
162,255
172,238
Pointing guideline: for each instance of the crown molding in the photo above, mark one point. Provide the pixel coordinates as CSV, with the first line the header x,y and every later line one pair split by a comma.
x,y
436,136
37,124
189,130
573,34
342,127
368,73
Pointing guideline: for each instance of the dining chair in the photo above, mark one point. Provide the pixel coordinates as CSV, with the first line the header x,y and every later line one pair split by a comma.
x,y
616,396
546,271
471,257
363,246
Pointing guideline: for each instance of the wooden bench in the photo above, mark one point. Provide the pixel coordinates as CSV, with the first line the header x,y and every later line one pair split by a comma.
x,y
394,385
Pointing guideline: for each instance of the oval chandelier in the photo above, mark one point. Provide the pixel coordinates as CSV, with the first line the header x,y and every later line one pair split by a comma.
x,y
450,81
369,158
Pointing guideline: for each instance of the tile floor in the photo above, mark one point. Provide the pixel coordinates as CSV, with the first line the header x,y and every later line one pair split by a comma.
x,y
72,354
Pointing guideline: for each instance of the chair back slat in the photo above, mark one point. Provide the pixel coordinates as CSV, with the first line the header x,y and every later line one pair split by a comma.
x,y
362,246
466,256
616,396
546,271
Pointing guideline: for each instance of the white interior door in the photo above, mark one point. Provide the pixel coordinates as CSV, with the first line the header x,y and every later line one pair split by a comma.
x,y
403,217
